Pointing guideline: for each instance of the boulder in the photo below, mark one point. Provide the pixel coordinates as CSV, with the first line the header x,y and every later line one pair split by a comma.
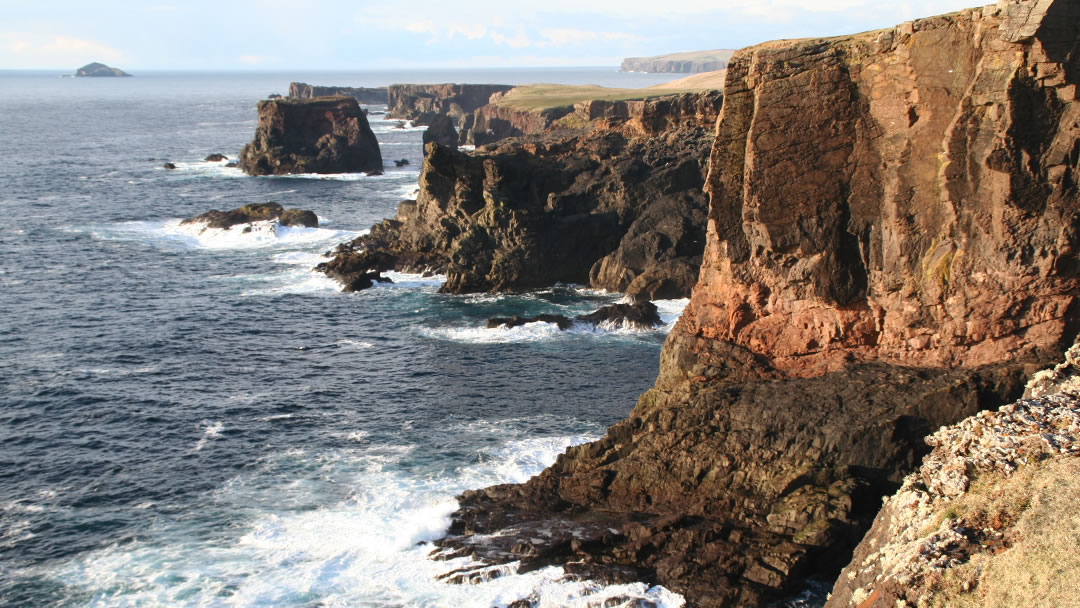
x,y
169,166
216,158
321,135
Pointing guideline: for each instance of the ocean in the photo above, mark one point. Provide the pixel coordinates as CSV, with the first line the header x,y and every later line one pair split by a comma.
x,y
197,419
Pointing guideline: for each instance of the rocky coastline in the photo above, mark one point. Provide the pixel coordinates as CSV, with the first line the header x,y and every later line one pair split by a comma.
x,y
607,202
364,95
891,247
420,103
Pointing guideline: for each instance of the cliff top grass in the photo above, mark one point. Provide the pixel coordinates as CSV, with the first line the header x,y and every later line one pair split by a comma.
x,y
539,97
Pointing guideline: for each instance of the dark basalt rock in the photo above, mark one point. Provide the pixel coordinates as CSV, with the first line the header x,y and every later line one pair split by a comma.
x,y
216,158
253,213
321,135
562,321
169,166
98,70
401,163
441,131
614,207
642,315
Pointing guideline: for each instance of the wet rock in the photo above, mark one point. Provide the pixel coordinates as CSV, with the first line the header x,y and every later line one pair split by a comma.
x,y
401,163
216,158
169,166
255,212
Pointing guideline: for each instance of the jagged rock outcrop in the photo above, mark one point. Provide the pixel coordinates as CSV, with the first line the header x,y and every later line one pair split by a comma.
x,y
892,246
98,70
255,212
420,103
679,63
604,207
989,517
493,122
364,95
441,131
321,135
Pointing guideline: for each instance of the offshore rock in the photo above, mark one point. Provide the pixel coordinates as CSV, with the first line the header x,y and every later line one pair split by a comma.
x,y
615,210
641,315
321,135
364,95
892,246
420,103
98,70
255,212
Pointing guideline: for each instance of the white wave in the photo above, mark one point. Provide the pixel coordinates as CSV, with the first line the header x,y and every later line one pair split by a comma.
x,y
296,548
245,236
299,281
211,430
354,344
411,280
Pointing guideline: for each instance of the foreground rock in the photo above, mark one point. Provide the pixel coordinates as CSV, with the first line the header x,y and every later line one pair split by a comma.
x,y
421,103
256,212
642,315
321,135
606,205
441,131
364,95
893,240
988,519
99,70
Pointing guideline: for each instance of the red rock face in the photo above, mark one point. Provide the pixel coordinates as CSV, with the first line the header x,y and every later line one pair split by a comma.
x,y
321,135
906,196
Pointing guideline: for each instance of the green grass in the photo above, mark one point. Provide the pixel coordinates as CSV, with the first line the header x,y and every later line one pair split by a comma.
x,y
538,97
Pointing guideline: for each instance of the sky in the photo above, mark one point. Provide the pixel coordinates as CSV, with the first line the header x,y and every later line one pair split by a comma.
x,y
363,35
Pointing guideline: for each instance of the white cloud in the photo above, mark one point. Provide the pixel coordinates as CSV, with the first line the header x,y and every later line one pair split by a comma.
x,y
32,49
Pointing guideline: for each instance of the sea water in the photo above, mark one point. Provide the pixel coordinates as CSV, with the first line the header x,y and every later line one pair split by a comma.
x,y
195,418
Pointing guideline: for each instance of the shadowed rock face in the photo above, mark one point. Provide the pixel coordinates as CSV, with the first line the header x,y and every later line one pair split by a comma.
x,y
322,135
892,246
608,207
420,103
364,95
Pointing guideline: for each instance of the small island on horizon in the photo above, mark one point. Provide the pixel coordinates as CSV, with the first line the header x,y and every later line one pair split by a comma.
x,y
96,69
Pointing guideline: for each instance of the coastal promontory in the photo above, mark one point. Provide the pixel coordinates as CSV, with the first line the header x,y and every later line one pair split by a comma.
x,y
893,244
320,135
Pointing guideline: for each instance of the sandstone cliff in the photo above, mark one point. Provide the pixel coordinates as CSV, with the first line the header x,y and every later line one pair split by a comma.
x,y
422,102
604,205
892,246
364,95
990,518
321,135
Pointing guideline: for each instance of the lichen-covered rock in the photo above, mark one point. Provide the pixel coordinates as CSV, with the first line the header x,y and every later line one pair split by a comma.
x,y
321,135
959,531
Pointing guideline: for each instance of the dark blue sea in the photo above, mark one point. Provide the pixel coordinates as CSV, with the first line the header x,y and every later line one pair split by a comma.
x,y
196,419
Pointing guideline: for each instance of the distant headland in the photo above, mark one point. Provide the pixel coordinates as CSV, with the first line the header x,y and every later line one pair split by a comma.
x,y
99,69
679,63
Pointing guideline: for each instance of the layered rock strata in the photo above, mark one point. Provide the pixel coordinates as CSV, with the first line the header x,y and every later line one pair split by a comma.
x,y
606,207
364,95
892,246
321,135
420,103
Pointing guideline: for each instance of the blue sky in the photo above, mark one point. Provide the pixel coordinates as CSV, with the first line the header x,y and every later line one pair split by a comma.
x,y
362,35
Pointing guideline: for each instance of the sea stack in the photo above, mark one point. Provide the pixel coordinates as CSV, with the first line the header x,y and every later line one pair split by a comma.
x,y
98,70
320,135
893,244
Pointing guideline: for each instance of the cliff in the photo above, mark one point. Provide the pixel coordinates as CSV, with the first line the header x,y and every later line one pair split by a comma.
x,y
679,63
321,135
602,205
367,96
891,246
989,518
97,70
422,102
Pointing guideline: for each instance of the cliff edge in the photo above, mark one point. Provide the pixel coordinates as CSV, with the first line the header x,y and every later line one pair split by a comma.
x,y
891,247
